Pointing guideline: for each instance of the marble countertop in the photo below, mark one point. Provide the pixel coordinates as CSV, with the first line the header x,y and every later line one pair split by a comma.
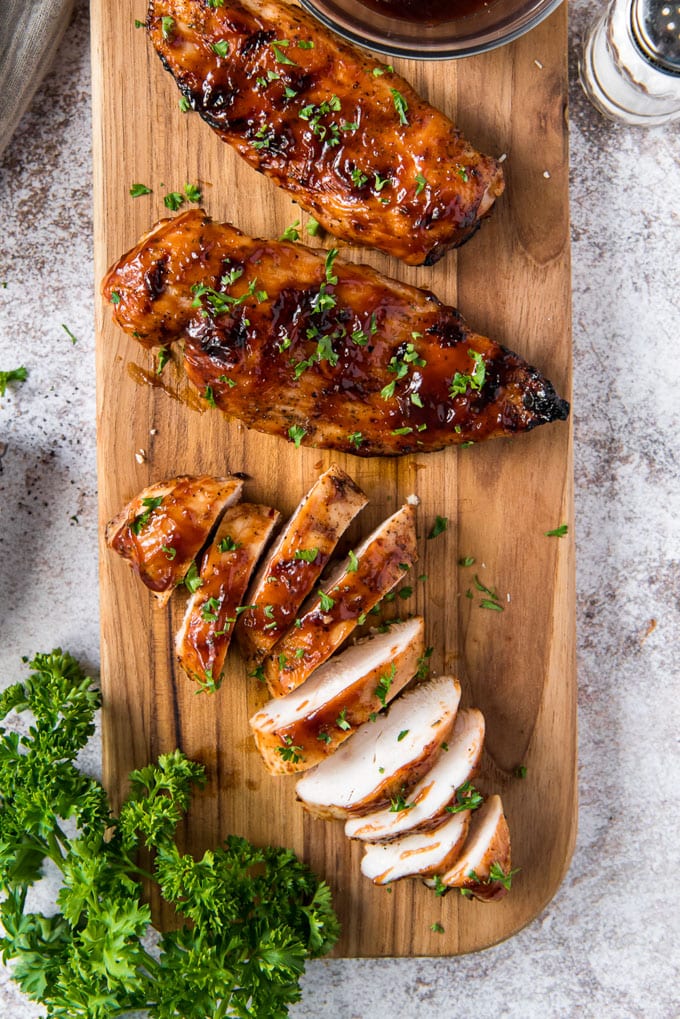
x,y
606,946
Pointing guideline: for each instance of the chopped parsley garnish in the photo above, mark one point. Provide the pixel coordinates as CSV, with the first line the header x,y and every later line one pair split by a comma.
x,y
355,439
521,771
137,190
297,434
277,47
496,873
324,737
381,182
264,136
421,184
462,382
306,44
184,104
398,803
192,581
170,552
210,609
326,603
162,359
400,105
313,226
558,532
193,192
289,752
167,27
72,338
173,201
227,544
384,684
439,526
405,592
467,798
353,562
291,233
486,603
437,928
387,69
115,297
402,735
209,396
405,430
221,48
341,721
307,555
424,664
462,173
143,518
439,887
467,560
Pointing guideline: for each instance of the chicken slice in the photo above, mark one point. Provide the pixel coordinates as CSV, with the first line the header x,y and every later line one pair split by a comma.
x,y
385,758
203,639
296,732
421,853
438,794
484,866
343,602
297,560
162,530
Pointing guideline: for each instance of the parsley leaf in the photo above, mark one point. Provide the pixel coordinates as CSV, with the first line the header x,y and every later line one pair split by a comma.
x,y
14,375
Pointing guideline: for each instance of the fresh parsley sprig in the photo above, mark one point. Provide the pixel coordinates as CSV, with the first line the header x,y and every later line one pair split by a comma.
x,y
252,916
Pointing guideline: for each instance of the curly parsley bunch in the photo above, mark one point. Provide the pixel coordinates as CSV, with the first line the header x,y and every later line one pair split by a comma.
x,y
254,916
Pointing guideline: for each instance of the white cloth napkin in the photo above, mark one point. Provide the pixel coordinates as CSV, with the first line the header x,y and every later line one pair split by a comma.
x,y
30,31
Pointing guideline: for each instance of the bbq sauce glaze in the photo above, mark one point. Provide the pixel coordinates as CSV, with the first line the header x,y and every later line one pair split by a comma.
x,y
431,12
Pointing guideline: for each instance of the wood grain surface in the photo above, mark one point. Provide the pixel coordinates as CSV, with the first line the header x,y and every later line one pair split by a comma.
x,y
512,282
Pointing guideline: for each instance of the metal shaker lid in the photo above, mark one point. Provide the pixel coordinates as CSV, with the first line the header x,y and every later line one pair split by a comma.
x,y
656,27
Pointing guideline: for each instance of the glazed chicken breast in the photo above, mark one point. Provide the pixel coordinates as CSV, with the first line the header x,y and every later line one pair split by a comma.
x,y
417,854
348,138
385,758
321,352
161,531
343,602
297,560
483,868
227,565
296,732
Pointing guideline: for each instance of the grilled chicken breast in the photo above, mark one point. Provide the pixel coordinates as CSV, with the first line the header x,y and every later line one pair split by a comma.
x,y
227,566
488,844
348,138
385,758
296,732
297,559
161,531
418,854
343,602
438,793
323,353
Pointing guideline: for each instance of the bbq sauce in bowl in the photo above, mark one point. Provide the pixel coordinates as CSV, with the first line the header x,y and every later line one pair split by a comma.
x,y
431,12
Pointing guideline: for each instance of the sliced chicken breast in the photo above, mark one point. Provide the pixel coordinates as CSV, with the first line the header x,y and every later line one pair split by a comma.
x,y
418,854
297,560
386,758
203,639
343,602
435,797
296,732
485,855
162,530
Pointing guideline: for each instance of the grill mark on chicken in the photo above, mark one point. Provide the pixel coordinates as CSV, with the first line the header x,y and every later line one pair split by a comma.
x,y
363,364
322,122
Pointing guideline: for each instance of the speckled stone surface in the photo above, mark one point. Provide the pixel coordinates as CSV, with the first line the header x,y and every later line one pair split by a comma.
x,y
607,944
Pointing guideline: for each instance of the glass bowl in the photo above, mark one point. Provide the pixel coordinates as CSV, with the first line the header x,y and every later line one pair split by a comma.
x,y
479,25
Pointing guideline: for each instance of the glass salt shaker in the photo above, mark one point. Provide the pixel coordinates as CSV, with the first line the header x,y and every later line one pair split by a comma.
x,y
630,65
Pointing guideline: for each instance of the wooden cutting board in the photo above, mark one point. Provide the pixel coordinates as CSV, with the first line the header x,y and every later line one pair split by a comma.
x,y
512,282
